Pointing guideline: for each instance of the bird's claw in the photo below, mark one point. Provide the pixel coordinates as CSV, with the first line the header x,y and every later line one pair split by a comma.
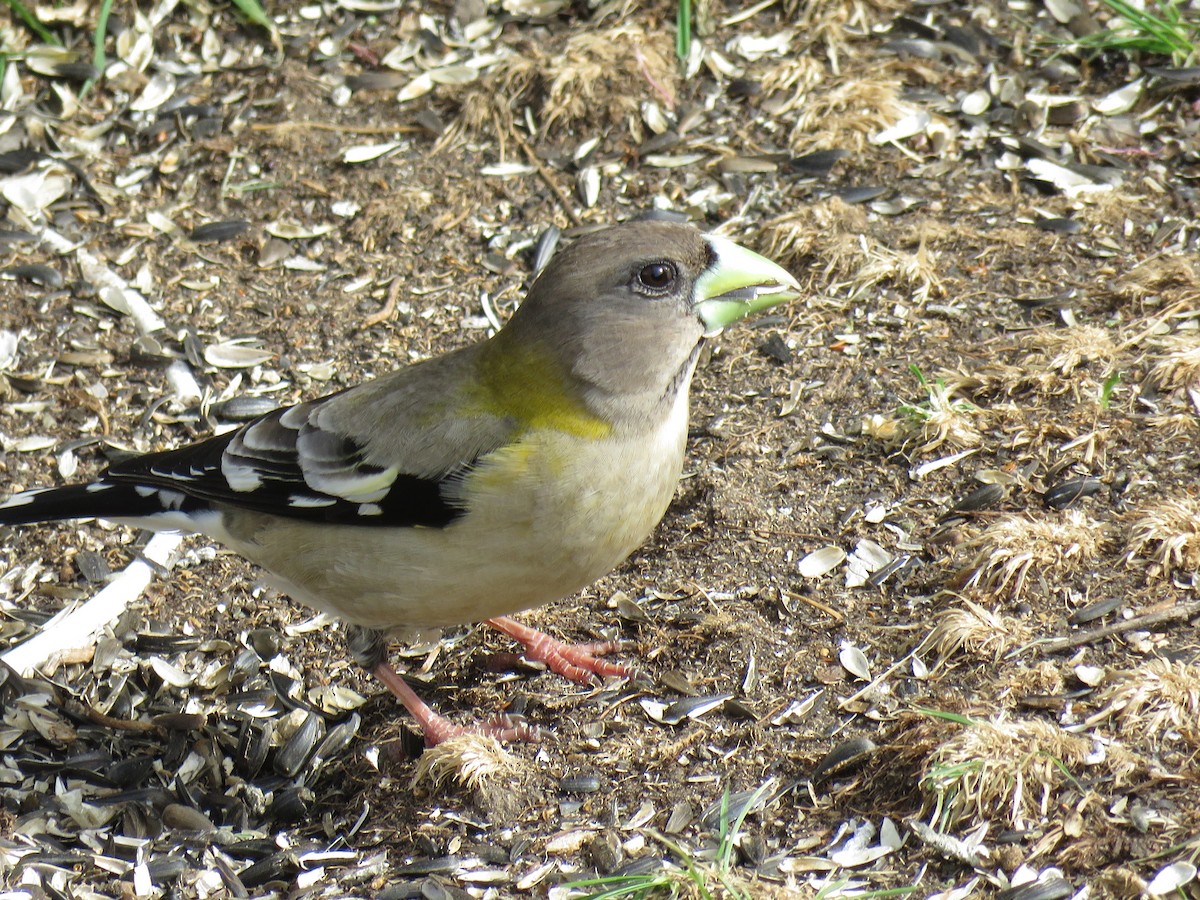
x,y
580,663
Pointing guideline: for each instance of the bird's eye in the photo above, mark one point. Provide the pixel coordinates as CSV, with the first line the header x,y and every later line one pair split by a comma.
x,y
657,277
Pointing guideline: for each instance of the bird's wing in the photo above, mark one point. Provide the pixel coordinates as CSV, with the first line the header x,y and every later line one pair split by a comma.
x,y
384,453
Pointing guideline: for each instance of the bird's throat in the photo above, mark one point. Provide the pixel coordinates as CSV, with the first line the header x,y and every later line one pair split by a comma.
x,y
532,387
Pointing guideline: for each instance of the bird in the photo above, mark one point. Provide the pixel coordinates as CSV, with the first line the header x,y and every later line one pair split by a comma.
x,y
470,486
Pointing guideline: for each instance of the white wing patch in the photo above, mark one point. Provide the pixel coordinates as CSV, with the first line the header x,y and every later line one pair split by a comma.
x,y
23,499
239,476
302,501
354,485
168,499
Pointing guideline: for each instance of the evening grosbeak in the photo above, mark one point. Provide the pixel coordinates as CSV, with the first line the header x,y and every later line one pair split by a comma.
x,y
476,484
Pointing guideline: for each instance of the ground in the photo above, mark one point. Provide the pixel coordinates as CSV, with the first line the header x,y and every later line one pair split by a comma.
x,y
924,608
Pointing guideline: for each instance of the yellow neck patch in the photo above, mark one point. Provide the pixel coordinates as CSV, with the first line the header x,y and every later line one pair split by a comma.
x,y
519,382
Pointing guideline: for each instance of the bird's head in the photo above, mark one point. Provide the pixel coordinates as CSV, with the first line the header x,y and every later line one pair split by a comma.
x,y
622,311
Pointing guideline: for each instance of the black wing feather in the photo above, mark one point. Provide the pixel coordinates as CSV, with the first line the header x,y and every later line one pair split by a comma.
x,y
278,463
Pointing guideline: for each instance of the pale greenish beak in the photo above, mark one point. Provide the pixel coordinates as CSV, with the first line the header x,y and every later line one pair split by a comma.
x,y
740,284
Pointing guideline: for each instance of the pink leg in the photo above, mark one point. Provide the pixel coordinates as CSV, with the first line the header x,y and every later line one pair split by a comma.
x,y
437,728
577,662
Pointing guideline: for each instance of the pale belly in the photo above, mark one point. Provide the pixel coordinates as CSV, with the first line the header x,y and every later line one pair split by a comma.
x,y
549,518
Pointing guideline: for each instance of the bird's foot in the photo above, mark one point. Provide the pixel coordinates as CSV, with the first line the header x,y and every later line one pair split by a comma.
x,y
436,728
504,728
578,662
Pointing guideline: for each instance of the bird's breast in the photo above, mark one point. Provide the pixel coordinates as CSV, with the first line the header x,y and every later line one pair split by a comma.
x,y
580,505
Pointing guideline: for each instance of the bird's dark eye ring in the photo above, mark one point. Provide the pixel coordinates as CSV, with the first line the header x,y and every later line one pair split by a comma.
x,y
657,277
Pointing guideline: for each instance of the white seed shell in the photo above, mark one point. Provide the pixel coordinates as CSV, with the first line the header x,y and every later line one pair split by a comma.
x,y
360,153
855,662
821,562
1122,100
976,103
1171,878
907,127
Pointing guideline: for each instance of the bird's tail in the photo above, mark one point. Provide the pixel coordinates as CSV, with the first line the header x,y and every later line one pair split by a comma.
x,y
100,500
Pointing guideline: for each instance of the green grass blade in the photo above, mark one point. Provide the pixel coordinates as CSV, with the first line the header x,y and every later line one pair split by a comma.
x,y
956,718
1161,30
1141,20
683,29
617,886
98,58
32,23
724,836
253,11
1106,389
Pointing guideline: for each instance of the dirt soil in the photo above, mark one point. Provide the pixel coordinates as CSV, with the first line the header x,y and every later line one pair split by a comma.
x,y
924,608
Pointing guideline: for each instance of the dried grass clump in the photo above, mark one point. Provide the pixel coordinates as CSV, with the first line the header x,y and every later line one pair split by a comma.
x,y
830,22
942,419
1047,359
830,241
1180,366
1154,700
917,271
997,379
1167,534
844,115
470,760
1012,770
1039,678
824,239
590,82
1070,349
789,82
1115,208
978,632
1165,274
1174,425
945,418
1011,546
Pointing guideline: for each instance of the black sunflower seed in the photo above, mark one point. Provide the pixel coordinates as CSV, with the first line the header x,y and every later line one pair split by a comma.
x,y
213,232
299,747
579,784
35,273
1094,611
982,497
1047,889
277,867
1059,225
842,757
815,165
1071,491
